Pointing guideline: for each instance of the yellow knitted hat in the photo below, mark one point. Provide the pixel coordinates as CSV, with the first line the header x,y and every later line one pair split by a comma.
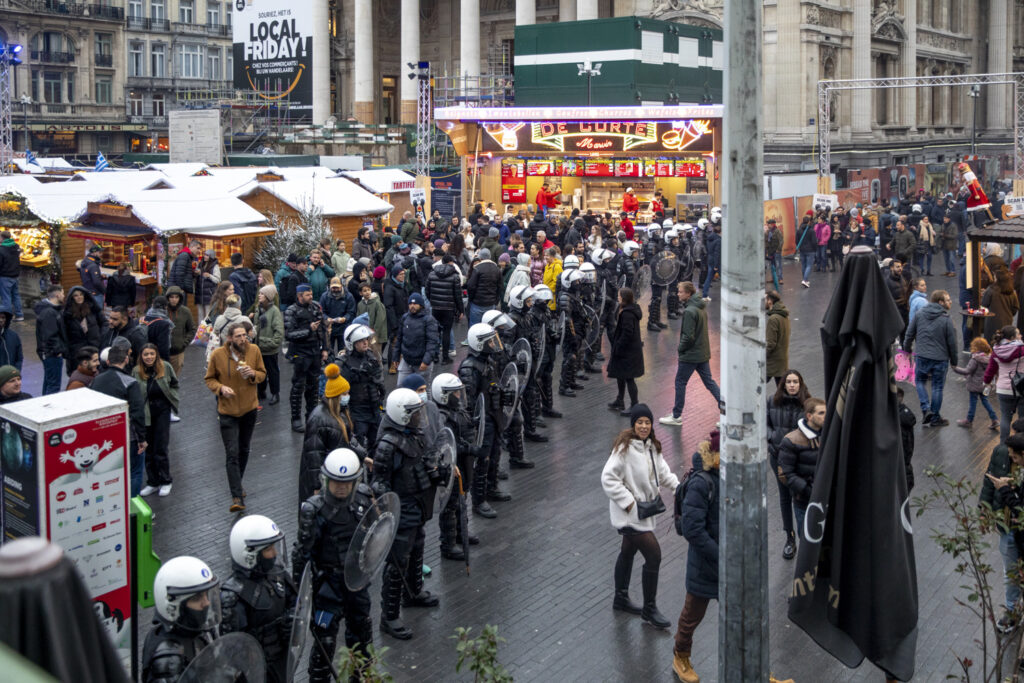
x,y
336,384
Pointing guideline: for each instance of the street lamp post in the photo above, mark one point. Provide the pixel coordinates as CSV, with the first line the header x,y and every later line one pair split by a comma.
x,y
25,101
589,70
974,93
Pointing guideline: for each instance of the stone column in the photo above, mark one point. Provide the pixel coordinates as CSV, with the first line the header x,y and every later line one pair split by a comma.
x,y
364,90
410,55
908,115
526,12
861,116
790,110
998,62
586,9
567,10
469,44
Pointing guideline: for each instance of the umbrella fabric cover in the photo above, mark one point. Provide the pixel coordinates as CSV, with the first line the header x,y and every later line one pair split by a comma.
x,y
855,587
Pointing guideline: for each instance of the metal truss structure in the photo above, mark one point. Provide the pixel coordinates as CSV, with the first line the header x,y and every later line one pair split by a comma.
x,y
826,88
6,134
424,120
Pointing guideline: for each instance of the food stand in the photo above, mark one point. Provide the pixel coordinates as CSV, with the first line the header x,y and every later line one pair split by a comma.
x,y
593,153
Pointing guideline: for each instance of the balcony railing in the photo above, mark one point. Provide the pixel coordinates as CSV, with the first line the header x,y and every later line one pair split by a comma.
x,y
104,60
187,28
222,30
113,112
106,12
49,57
74,9
140,23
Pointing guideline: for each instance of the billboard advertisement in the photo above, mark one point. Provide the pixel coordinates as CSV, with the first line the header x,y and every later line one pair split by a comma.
x,y
273,53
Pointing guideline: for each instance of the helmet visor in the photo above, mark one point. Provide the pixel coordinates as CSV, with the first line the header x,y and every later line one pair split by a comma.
x,y
271,554
198,610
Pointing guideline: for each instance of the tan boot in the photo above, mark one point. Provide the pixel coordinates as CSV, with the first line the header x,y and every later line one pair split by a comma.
x,y
773,679
393,370
684,672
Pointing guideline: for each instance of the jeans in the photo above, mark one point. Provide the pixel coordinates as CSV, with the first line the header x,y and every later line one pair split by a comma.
x,y
924,262
1008,405
821,258
936,371
445,321
236,433
785,497
404,370
683,373
806,261
137,464
973,403
961,243
475,313
53,366
770,264
950,260
9,297
1008,549
712,269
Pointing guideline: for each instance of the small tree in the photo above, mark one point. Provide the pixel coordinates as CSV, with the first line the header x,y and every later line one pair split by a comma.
x,y
367,668
299,235
482,655
965,539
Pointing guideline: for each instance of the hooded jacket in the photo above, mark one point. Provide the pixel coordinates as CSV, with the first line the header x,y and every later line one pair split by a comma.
x,y
83,332
918,300
627,352
777,340
933,331
342,306
782,419
121,290
417,339
1004,363
355,282
245,283
184,325
159,330
975,372
694,344
374,308
10,342
798,458
51,339
396,301
269,324
181,274
700,524
318,278
92,277
10,258
520,276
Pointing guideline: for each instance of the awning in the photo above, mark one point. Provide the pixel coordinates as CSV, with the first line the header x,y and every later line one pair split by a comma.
x,y
243,231
110,233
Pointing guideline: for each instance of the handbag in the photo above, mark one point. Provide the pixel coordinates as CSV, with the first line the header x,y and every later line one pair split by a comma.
x,y
203,334
649,508
1017,381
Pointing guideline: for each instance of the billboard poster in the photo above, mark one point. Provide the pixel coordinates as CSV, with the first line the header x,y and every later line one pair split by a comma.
x,y
446,195
273,53
86,487
20,469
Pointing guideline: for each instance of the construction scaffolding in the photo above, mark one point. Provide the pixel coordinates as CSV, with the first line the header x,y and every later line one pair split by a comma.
x,y
7,61
247,118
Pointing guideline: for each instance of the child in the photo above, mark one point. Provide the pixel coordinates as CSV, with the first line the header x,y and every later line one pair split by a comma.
x,y
975,370
907,422
374,308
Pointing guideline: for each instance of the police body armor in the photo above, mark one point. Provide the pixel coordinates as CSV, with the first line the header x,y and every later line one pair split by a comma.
x,y
480,375
261,607
168,651
332,522
365,376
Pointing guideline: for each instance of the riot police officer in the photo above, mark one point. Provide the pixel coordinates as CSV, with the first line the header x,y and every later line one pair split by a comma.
x,y
520,301
187,615
327,523
512,435
363,370
259,595
607,293
626,266
570,310
402,463
548,338
680,246
588,295
305,330
446,392
654,246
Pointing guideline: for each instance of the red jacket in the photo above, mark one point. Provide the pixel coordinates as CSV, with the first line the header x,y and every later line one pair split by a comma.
x,y
548,199
626,226
630,203
656,206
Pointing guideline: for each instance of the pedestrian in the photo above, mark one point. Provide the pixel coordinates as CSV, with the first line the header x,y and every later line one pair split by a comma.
x,y
822,234
232,312
798,456
416,342
444,292
160,388
184,330
838,241
10,343
896,279
933,331
807,246
295,275
999,465
924,248
632,478
773,240
903,242
694,352
918,297
318,274
700,528
87,364
362,247
120,324
1010,496
948,237
121,288
328,427
785,408
1005,362
182,272
552,271
776,336
340,308
305,330
10,272
714,259
1001,300
269,325
244,281
340,258
158,325
51,337
483,286
360,274
395,298
626,362
92,276
83,322
117,381
373,307
208,272
218,303
10,385
520,275
232,375
976,387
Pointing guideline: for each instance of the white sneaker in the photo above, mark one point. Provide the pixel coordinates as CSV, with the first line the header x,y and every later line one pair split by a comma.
x,y
707,299
148,490
805,283
165,490
175,418
670,420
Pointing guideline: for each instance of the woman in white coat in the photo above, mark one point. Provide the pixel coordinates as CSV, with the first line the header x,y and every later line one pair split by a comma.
x,y
634,473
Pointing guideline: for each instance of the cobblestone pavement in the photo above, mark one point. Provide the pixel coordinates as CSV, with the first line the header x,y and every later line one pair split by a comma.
x,y
543,570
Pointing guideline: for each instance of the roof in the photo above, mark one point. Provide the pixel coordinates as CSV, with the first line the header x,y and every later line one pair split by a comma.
x,y
1009,231
333,196
383,180
123,181
54,202
177,170
232,185
43,164
167,211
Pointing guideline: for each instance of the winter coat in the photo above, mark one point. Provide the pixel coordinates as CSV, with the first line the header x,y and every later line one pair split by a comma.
x,y
230,315
552,271
269,325
918,300
417,339
355,282
822,232
92,277
343,306
340,261
245,283
121,291
10,258
362,249
772,243
635,473
121,384
782,419
168,386
904,244
396,301
948,234
627,356
222,370
135,334
999,465
898,288
303,340
925,238
51,339
444,288
319,278
184,325
694,344
700,525
10,343
975,372
289,282
714,244
1004,363
323,435
484,284
806,240
798,459
776,340
207,285
374,308
933,331
181,271
520,276
159,330
76,334
1003,306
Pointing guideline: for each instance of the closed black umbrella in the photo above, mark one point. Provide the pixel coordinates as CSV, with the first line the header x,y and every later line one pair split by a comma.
x,y
855,588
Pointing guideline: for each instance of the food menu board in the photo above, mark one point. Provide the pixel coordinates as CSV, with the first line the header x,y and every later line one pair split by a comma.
x,y
20,470
547,167
513,181
599,167
690,168
571,168
629,169
664,168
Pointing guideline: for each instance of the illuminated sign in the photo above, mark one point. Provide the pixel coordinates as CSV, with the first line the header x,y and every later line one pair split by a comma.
x,y
692,135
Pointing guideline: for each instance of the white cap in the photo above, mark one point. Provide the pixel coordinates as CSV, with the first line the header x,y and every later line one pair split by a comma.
x,y
629,189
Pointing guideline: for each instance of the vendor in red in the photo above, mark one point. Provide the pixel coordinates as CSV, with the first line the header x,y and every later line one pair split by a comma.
x,y
547,199
658,204
626,225
630,204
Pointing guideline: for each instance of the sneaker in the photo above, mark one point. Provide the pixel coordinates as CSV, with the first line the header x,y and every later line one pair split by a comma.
x,y
994,426
175,418
671,420
148,490
19,319
1007,623
165,490
805,283
707,299
965,423
939,421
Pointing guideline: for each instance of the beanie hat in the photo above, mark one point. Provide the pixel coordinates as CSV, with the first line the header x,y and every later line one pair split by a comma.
x,y
413,381
493,232
397,270
292,258
638,411
303,288
379,273
269,292
505,258
523,259
336,384
484,253
7,373
438,244
714,440
416,298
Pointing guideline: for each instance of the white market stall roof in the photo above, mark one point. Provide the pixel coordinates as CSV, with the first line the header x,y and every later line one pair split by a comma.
x,y
383,180
177,170
120,181
172,211
55,202
333,196
230,185
43,164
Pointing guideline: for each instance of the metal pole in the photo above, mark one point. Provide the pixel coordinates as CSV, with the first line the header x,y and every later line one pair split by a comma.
x,y
590,75
742,558
974,120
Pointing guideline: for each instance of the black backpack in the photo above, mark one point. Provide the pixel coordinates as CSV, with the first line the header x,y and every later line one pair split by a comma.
x,y
680,495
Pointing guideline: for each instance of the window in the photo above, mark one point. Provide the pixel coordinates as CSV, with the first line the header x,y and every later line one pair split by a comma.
x,y
71,86
227,14
158,105
104,44
137,59
135,103
52,87
213,63
158,61
135,9
104,90
156,8
35,85
50,41
213,14
229,66
190,61
186,11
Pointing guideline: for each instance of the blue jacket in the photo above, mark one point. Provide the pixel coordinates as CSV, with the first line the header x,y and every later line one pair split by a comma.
x,y
10,343
343,306
700,528
918,300
714,242
417,339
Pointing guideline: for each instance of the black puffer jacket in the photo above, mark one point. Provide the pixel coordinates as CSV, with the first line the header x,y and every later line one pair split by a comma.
x,y
181,271
396,303
365,375
77,337
444,288
484,284
798,459
323,435
782,419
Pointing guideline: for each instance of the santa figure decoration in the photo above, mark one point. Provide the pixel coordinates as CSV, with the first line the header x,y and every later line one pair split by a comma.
x,y
977,200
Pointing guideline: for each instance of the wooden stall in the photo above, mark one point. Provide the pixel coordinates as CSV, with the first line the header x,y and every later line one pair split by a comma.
x,y
390,184
39,240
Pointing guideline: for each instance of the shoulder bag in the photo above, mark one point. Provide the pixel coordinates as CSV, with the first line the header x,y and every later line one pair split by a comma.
x,y
649,508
